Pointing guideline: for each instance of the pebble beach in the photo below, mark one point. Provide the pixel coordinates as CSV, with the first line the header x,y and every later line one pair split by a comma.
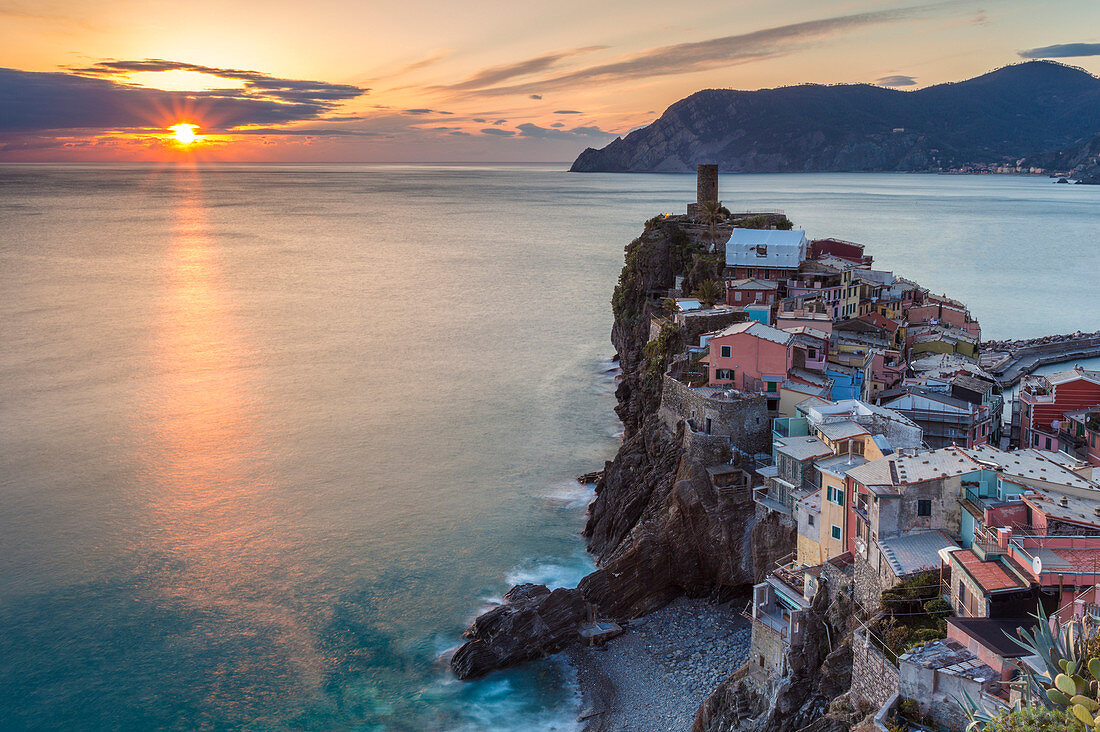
x,y
657,673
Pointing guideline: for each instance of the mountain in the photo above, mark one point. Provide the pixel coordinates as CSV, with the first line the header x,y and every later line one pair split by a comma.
x,y
1081,161
1017,111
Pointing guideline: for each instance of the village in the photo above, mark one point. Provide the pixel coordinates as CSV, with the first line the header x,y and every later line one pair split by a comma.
x,y
918,493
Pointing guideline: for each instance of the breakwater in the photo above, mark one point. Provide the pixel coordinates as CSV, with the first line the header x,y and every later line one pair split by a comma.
x,y
1009,361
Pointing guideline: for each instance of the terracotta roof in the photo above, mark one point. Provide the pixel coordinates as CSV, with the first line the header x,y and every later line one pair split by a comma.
x,y
990,576
881,321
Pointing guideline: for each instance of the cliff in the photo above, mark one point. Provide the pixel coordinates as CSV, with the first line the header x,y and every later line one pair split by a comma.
x,y
1018,111
658,526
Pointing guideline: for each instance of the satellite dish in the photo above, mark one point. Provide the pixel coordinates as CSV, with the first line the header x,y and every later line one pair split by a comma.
x,y
1037,565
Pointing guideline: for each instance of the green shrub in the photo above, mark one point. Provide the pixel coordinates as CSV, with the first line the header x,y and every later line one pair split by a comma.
x,y
937,606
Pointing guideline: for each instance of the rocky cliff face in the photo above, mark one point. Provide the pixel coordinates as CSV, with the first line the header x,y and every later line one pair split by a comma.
x,y
1016,111
657,528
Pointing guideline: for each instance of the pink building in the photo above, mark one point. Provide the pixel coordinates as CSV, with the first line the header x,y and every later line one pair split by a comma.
x,y
751,356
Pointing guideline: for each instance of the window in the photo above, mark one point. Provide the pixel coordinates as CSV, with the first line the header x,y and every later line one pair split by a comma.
x,y
737,297
1036,440
723,374
836,532
727,351
857,447
812,353
774,387
1048,443
708,425
810,519
962,594
924,507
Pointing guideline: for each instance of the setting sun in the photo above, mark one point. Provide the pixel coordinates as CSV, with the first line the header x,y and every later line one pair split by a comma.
x,y
184,133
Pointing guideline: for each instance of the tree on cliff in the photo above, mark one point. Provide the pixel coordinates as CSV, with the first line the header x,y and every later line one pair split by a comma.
x,y
709,292
710,213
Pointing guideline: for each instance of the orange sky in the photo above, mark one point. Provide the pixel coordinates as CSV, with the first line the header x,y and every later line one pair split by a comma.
x,y
444,81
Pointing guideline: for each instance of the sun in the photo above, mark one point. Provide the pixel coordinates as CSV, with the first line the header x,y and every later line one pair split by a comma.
x,y
184,132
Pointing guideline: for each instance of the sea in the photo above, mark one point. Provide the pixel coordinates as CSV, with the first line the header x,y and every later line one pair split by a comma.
x,y
272,435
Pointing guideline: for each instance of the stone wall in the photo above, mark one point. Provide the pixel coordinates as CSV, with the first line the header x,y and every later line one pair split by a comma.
x,y
743,422
874,678
709,449
867,583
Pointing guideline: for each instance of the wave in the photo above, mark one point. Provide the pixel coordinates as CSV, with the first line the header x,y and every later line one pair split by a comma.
x,y
570,494
553,573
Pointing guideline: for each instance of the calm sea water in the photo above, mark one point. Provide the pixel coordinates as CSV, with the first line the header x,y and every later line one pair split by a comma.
x,y
271,435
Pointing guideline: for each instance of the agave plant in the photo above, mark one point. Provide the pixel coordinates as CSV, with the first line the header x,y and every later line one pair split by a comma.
x,y
1062,685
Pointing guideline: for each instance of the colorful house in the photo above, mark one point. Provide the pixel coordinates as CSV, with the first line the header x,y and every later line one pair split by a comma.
x,y
742,293
1045,400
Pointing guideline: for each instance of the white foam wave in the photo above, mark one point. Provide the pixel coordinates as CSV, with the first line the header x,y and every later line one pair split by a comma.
x,y
553,573
570,494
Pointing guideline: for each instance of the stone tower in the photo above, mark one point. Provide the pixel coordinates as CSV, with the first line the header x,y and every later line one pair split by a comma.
x,y
706,187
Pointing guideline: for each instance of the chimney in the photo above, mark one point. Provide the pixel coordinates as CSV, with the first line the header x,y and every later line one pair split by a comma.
x,y
1063,502
1003,537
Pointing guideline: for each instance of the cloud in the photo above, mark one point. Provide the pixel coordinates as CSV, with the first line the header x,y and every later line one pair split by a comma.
x,y
535,96
686,58
1063,50
255,82
479,120
94,99
500,121
566,111
558,124
528,129
497,131
429,60
426,111
497,74
896,80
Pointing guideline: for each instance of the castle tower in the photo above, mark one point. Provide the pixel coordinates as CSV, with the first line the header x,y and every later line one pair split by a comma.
x,y
706,186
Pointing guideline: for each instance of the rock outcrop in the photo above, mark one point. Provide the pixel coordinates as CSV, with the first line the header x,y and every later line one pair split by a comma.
x,y
1014,112
658,528
530,623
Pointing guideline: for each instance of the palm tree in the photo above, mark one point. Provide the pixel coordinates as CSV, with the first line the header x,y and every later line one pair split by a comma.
x,y
708,292
669,305
710,213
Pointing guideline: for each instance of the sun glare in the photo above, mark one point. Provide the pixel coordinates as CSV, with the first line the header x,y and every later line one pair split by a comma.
x,y
184,133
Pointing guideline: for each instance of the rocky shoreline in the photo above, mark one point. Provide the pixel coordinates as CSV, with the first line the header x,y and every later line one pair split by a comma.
x,y
657,674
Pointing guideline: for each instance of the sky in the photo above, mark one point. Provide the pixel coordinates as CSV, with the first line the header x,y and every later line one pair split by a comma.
x,y
447,81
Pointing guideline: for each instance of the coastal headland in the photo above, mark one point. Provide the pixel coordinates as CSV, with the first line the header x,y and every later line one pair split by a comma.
x,y
758,367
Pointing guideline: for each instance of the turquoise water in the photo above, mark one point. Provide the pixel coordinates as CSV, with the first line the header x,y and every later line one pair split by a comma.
x,y
272,435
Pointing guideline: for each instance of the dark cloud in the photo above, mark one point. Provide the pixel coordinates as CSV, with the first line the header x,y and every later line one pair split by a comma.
x,y
686,58
497,131
536,96
1063,50
479,120
426,111
896,80
528,129
566,111
90,99
500,121
255,82
558,124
